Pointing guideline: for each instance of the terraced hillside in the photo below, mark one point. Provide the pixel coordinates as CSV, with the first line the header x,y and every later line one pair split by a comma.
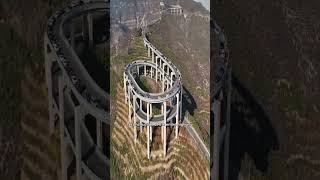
x,y
41,150
23,116
182,161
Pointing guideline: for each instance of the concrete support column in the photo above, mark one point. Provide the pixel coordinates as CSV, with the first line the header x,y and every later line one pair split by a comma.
x,y
227,137
90,30
171,81
99,134
72,39
163,66
84,28
168,72
165,128
134,120
162,127
63,146
48,69
152,56
145,70
177,115
78,120
150,118
151,74
140,120
157,74
125,88
148,131
129,101
181,103
216,138
162,139
151,133
138,70
163,85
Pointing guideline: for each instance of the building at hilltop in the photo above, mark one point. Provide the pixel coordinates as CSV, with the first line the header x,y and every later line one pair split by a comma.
x,y
171,9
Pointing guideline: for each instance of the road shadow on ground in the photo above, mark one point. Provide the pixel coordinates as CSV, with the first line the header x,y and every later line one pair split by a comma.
x,y
188,103
251,131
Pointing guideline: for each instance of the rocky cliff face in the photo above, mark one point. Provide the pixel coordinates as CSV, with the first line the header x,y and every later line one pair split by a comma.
x,y
127,15
185,40
134,13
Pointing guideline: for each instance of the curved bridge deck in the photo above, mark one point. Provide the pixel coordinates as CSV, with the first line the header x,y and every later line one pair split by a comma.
x,y
72,92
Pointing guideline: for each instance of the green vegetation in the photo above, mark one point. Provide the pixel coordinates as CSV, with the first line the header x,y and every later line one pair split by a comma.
x,y
200,130
156,109
143,84
136,51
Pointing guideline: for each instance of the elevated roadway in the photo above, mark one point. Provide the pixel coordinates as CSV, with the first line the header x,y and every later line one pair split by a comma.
x,y
73,94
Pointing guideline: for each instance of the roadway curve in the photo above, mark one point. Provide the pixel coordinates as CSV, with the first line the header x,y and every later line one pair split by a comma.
x,y
166,72
93,99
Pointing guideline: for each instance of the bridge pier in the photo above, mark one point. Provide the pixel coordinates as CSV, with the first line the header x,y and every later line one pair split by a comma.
x,y
125,89
148,130
140,119
165,128
48,70
129,102
72,39
135,120
63,146
99,134
216,136
78,120
84,28
87,29
90,30
157,74
162,85
228,124
181,103
177,115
